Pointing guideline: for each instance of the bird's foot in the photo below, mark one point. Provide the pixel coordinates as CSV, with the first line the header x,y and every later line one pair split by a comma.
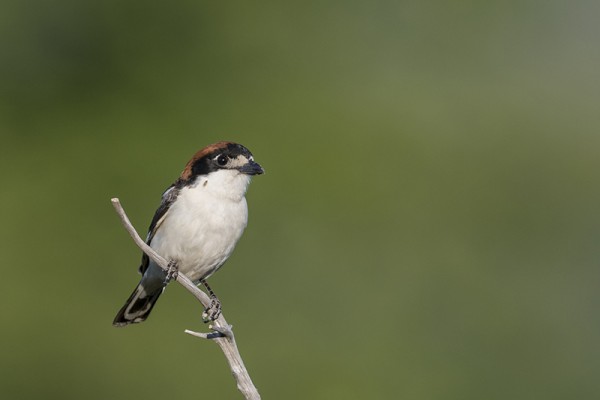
x,y
213,311
172,271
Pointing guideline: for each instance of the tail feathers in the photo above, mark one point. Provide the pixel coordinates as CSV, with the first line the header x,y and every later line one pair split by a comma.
x,y
138,306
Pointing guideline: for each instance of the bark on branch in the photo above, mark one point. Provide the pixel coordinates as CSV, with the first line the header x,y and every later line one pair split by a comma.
x,y
222,332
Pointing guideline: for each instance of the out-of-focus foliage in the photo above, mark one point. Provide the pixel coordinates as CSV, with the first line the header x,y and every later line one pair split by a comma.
x,y
427,228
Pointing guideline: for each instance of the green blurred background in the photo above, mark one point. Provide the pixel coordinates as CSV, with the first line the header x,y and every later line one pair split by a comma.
x,y
427,228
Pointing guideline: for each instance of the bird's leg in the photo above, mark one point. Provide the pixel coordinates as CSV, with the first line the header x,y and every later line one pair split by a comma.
x,y
172,271
214,310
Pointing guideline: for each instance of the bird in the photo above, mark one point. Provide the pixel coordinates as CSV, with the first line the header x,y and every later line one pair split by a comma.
x,y
200,219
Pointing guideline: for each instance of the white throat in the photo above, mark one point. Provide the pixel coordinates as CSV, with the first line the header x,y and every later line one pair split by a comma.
x,y
225,184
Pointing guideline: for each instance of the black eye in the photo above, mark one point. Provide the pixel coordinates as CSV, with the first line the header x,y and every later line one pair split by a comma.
x,y
222,160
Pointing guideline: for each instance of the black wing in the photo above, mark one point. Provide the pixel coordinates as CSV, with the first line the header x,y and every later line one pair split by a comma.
x,y
168,198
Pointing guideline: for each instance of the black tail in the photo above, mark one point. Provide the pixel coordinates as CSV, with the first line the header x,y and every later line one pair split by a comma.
x,y
138,306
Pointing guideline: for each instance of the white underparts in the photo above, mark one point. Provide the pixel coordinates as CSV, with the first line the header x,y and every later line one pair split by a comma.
x,y
204,223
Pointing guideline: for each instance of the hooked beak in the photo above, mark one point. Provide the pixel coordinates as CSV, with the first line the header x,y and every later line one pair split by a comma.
x,y
252,168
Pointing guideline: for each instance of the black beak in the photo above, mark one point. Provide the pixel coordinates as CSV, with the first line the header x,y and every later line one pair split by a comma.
x,y
252,168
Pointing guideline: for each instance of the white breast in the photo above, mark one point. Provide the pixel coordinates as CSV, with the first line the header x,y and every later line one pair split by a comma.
x,y
203,225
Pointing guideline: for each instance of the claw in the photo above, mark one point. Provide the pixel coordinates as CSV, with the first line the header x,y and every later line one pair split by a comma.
x,y
212,312
172,271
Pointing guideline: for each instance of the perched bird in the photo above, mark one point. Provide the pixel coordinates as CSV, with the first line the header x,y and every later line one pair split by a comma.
x,y
197,225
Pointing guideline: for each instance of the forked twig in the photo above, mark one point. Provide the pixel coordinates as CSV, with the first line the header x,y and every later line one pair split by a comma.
x,y
222,333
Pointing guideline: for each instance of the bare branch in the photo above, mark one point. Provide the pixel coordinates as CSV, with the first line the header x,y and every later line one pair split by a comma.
x,y
212,335
222,335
